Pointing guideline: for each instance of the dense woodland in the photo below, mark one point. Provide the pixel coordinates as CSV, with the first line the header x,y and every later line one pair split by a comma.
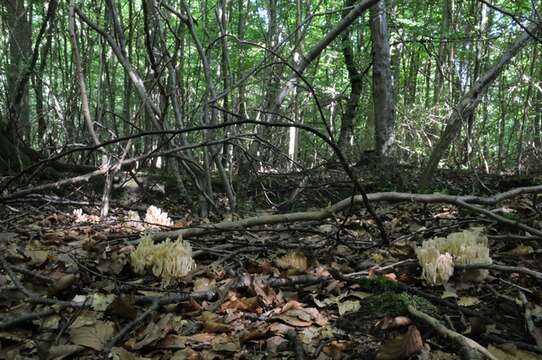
x,y
257,179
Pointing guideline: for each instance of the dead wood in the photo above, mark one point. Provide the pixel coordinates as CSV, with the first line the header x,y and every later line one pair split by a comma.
x,y
465,201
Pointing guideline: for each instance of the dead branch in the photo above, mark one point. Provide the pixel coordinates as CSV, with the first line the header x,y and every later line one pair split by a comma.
x,y
517,269
318,215
128,328
468,345
23,318
533,330
33,297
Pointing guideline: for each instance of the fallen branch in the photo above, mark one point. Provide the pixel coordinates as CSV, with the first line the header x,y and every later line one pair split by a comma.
x,y
131,326
462,201
505,268
31,296
533,329
468,345
24,318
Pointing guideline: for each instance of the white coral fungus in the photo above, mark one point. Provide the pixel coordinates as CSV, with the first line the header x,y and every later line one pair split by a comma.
x,y
134,221
438,255
142,256
168,260
155,217
81,217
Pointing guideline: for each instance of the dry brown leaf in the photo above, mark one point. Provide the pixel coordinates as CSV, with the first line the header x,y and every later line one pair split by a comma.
x,y
94,336
303,317
402,346
156,331
216,327
276,344
123,354
255,332
266,293
225,343
122,307
242,304
59,352
279,328
292,304
335,349
65,282
186,354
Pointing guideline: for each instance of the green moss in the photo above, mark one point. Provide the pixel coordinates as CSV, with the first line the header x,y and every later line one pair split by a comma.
x,y
394,304
378,284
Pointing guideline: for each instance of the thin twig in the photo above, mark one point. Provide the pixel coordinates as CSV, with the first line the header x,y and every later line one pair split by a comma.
x,y
21,319
126,330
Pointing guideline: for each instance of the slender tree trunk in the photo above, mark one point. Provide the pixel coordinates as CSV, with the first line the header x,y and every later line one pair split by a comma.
x,y
20,48
527,106
468,104
537,125
355,77
308,58
502,124
442,58
382,82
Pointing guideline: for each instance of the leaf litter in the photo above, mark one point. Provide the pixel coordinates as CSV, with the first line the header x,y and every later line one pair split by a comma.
x,y
70,288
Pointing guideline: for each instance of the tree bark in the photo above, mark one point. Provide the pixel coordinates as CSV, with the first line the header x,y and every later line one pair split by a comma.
x,y
355,78
384,113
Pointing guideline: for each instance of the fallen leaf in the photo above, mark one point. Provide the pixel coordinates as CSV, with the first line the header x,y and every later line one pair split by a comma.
x,y
520,250
65,282
224,343
94,337
59,352
254,332
449,292
242,304
348,306
303,317
100,301
119,353
402,346
122,307
156,331
468,301
216,327
276,344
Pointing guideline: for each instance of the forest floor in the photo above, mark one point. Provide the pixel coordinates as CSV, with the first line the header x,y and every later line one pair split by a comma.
x,y
318,289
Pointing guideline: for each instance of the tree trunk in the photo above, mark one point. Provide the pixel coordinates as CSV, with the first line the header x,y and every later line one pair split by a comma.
x,y
468,104
382,82
20,50
442,58
355,78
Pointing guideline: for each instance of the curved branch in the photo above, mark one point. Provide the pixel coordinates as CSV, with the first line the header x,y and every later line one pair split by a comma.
x,y
345,204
